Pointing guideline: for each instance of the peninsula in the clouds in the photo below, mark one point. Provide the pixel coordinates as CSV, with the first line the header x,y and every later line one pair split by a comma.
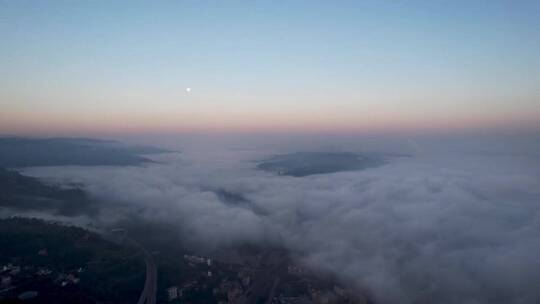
x,y
27,152
308,163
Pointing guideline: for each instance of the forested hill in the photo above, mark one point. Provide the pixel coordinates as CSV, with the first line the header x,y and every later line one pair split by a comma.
x,y
24,193
26,152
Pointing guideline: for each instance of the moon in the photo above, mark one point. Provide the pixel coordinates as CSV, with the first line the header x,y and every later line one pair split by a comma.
x,y
188,90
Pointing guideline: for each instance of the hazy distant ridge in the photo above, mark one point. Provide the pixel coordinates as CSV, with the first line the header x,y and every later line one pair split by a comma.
x,y
27,152
308,163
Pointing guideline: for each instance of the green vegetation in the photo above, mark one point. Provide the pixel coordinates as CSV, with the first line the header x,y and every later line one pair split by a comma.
x,y
22,193
107,272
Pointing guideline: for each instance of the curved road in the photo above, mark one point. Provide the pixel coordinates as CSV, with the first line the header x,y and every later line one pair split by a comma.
x,y
148,294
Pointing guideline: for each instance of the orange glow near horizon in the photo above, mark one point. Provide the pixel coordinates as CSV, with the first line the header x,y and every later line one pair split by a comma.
x,y
203,122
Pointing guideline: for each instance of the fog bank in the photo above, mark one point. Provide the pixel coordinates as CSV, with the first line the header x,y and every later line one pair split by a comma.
x,y
450,224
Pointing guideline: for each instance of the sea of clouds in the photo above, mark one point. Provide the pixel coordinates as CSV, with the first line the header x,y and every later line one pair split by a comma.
x,y
442,227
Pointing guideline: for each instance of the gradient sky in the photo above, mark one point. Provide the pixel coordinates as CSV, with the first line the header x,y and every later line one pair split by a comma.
x,y
100,67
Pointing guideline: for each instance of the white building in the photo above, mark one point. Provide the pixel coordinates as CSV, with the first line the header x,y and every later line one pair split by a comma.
x,y
172,293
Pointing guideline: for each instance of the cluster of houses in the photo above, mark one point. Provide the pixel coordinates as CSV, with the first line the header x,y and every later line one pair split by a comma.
x,y
12,275
194,259
233,290
236,289
9,276
316,296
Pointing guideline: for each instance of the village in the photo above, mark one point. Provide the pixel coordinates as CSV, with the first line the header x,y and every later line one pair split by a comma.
x,y
14,277
236,283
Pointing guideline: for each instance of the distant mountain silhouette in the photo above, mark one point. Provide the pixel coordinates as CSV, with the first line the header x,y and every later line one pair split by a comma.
x,y
26,152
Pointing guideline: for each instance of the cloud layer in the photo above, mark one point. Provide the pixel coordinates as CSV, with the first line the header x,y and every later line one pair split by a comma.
x,y
427,229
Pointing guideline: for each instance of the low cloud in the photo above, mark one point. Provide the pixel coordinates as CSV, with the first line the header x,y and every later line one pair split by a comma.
x,y
427,229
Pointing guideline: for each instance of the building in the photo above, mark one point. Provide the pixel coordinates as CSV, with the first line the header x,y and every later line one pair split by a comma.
x,y
15,270
339,291
294,270
73,279
246,280
27,295
194,259
43,272
5,281
172,293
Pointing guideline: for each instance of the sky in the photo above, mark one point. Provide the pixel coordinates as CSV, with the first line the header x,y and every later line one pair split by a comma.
x,y
123,67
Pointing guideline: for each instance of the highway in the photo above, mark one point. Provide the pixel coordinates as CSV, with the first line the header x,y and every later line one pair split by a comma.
x,y
148,294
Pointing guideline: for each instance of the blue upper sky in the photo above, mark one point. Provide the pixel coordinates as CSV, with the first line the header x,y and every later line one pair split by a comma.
x,y
100,66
